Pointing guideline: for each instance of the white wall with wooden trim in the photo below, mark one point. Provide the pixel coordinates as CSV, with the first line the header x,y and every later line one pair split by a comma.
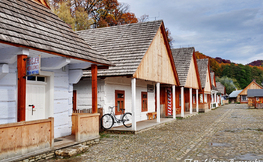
x,y
106,94
8,93
156,65
192,81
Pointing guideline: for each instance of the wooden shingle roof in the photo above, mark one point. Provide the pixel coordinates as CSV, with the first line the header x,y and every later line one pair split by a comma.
x,y
182,60
220,87
202,68
28,24
123,45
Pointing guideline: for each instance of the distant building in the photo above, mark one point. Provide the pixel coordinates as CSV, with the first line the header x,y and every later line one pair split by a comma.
x,y
255,98
234,96
243,94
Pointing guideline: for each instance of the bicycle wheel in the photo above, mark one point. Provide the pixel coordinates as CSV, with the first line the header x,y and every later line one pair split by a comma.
x,y
127,120
107,121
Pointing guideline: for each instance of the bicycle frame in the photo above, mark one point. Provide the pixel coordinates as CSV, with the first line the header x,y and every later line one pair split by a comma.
x,y
114,116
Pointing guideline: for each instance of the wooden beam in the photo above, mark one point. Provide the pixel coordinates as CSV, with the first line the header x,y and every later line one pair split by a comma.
x,y
94,70
21,88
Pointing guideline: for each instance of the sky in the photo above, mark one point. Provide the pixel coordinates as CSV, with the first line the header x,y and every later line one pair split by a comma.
x,y
230,29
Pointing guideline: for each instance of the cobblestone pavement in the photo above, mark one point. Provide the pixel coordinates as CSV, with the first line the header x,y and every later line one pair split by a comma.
x,y
229,132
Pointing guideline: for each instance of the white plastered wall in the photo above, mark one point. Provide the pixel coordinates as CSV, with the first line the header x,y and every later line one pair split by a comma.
x,y
8,91
106,94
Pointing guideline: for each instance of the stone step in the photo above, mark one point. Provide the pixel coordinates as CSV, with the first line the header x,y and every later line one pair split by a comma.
x,y
71,151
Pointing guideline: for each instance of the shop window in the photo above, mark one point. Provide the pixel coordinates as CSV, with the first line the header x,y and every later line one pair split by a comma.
x,y
179,99
244,98
201,98
144,101
205,98
119,101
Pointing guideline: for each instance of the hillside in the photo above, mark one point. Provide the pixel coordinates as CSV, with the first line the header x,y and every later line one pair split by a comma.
x,y
243,74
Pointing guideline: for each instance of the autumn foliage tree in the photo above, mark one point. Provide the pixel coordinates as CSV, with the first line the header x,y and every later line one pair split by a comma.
x,y
95,13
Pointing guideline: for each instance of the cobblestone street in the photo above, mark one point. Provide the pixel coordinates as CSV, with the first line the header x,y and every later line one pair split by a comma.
x,y
229,132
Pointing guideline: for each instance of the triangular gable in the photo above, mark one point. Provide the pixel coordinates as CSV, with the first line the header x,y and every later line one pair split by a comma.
x,y
157,64
192,77
252,85
208,84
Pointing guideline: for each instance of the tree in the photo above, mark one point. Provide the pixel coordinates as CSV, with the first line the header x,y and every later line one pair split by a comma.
x,y
98,13
169,37
228,83
143,18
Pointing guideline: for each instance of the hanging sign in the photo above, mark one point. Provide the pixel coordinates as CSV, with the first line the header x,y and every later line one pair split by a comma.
x,y
150,88
33,66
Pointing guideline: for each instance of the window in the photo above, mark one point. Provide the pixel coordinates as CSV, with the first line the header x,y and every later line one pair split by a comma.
x,y
205,98
119,101
257,98
36,78
201,98
144,101
179,99
194,98
244,98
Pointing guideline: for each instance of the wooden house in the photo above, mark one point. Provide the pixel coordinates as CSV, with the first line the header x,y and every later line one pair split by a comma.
x,y
40,60
214,91
187,70
144,63
234,97
243,94
255,98
222,92
204,98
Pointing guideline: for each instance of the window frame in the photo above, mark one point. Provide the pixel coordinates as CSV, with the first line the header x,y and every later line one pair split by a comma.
x,y
143,99
119,99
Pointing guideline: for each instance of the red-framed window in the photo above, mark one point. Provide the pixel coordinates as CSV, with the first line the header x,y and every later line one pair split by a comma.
x,y
119,101
144,100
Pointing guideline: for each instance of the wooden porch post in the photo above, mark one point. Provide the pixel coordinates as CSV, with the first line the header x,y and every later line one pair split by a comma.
x,y
174,110
21,87
94,70
191,101
182,101
197,108
133,88
158,102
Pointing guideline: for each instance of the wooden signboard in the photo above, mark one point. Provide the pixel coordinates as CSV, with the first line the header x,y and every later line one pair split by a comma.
x,y
33,66
150,88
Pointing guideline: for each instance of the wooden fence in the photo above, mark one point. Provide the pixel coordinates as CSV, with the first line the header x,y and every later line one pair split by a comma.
x,y
24,137
85,126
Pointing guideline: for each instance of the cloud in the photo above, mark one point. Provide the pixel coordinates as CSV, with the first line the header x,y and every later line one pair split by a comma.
x,y
219,28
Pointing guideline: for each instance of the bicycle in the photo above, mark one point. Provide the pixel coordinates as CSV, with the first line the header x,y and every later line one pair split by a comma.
x,y
107,120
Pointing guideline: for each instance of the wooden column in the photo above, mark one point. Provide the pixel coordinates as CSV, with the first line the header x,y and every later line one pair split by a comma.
x,y
197,108
158,102
21,87
174,110
182,101
94,70
133,89
191,101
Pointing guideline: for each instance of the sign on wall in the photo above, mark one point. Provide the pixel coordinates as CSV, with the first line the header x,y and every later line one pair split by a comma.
x,y
150,88
33,66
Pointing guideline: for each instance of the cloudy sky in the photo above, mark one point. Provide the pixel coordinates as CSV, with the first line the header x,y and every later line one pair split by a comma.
x,y
230,29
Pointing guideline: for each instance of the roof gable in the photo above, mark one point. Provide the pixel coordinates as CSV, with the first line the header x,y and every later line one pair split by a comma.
x,y
252,85
208,85
125,46
192,76
156,64
28,24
